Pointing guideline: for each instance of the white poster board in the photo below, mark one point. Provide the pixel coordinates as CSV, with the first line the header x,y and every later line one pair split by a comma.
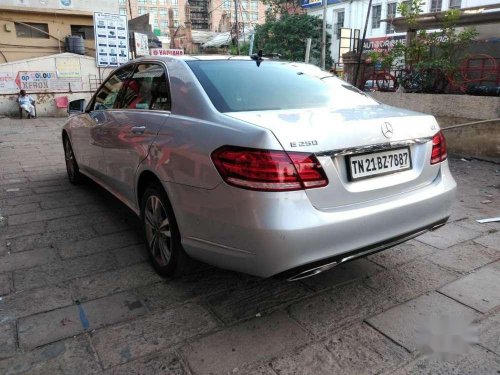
x,y
111,39
141,44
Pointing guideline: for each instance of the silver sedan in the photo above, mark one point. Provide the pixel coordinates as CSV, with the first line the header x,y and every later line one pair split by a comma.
x,y
259,166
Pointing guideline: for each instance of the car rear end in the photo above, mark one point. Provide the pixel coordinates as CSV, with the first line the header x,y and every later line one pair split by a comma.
x,y
350,178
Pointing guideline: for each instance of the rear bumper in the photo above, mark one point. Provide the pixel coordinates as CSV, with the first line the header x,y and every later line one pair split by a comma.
x,y
265,234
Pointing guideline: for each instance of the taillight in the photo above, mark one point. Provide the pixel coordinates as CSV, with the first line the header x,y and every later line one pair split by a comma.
x,y
268,170
439,153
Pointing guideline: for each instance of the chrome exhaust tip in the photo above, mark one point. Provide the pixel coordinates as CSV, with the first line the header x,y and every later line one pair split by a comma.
x,y
313,271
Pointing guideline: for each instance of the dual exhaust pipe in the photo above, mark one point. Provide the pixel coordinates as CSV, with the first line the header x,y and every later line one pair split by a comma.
x,y
332,262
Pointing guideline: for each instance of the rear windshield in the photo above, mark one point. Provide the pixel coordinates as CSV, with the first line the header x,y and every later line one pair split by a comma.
x,y
235,86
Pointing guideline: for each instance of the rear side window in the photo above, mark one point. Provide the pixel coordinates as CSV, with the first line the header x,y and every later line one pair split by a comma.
x,y
235,85
147,88
107,95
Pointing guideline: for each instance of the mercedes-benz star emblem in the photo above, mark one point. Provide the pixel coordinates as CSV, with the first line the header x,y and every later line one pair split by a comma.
x,y
387,130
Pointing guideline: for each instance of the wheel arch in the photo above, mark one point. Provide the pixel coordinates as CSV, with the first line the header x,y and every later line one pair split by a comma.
x,y
145,179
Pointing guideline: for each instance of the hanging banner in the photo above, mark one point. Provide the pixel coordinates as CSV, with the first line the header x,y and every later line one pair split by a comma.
x,y
111,39
166,52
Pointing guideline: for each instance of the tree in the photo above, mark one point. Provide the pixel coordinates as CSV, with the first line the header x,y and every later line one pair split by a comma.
x,y
288,35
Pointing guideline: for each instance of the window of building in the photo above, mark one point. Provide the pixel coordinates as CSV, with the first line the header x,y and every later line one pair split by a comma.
x,y
123,11
141,2
254,4
175,2
391,14
376,16
32,30
153,11
153,2
227,4
142,10
176,23
340,23
244,4
162,2
121,2
163,12
455,4
436,5
164,25
86,32
176,13
255,16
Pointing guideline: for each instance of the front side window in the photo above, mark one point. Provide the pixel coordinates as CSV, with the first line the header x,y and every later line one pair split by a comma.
x,y
108,93
32,30
376,16
236,86
147,88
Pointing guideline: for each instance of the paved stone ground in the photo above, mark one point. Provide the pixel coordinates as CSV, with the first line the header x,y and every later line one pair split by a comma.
x,y
78,296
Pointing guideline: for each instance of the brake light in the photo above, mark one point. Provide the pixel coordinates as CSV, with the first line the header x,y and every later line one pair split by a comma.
x,y
439,152
268,170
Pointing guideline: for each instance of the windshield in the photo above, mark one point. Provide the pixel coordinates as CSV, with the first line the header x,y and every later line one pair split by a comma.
x,y
235,86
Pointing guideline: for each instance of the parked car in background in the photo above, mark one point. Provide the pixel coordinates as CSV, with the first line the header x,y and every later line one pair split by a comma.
x,y
263,167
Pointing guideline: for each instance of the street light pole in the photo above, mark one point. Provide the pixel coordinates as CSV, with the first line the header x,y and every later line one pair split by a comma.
x,y
323,36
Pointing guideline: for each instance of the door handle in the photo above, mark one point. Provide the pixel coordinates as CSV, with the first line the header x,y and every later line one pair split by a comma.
x,y
138,129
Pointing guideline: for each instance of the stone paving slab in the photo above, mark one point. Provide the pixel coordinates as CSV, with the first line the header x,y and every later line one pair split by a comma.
x,y
71,356
410,280
25,303
480,290
65,247
406,324
44,328
251,341
357,350
122,343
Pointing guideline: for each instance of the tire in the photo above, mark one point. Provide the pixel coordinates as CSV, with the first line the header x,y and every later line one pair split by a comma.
x,y
162,235
74,175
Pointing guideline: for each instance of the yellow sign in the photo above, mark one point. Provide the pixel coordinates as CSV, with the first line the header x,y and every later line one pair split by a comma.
x,y
68,67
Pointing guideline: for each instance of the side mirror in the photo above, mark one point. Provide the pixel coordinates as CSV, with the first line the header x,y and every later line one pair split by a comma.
x,y
76,106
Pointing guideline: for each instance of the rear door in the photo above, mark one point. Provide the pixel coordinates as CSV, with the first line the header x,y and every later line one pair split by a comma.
x,y
144,105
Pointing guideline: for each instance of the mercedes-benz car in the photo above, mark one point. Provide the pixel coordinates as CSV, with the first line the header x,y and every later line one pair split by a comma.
x,y
259,166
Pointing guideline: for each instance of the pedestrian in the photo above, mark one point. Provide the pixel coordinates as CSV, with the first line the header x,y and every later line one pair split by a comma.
x,y
26,102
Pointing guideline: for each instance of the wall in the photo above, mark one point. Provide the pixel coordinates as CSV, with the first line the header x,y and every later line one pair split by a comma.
x,y
109,6
82,70
14,48
480,140
465,106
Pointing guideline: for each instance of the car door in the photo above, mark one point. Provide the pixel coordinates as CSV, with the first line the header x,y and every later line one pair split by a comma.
x,y
144,105
91,138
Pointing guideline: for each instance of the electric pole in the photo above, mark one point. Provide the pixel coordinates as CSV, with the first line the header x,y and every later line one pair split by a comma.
x,y
323,36
237,26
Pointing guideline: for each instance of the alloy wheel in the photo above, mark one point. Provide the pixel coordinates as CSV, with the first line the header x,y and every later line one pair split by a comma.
x,y
158,232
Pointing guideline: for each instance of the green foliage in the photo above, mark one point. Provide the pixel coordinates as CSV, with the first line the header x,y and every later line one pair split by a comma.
x,y
430,54
278,7
288,35
244,49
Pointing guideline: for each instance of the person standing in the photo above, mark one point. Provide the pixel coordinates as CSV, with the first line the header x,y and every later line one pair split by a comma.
x,y
26,102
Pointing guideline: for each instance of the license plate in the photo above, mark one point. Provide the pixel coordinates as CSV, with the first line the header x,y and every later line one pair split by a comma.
x,y
378,163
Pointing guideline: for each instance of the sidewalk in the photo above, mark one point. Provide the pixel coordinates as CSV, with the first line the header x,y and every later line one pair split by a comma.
x,y
77,294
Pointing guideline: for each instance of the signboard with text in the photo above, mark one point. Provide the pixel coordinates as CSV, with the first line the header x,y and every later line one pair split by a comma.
x,y
316,3
111,39
8,83
383,44
46,81
141,44
166,52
